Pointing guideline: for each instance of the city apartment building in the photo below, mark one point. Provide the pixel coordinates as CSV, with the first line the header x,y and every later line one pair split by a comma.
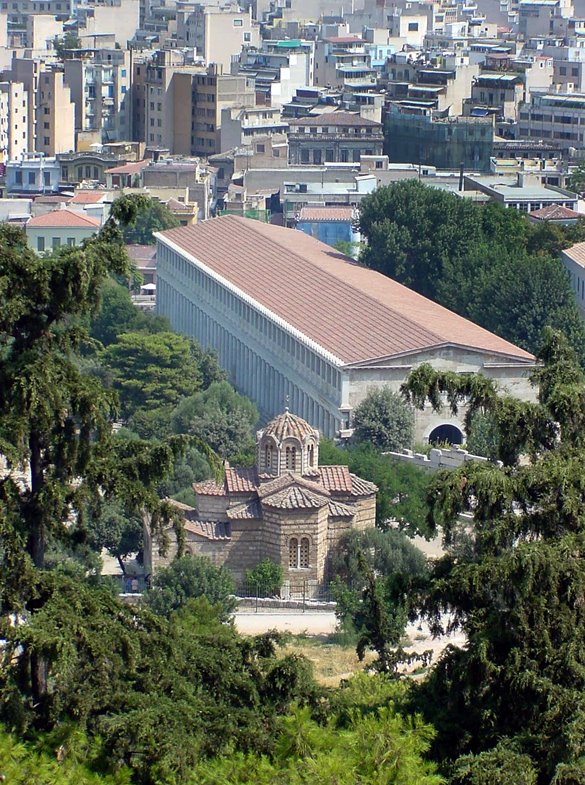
x,y
555,116
14,139
51,112
99,81
55,115
336,137
216,33
212,92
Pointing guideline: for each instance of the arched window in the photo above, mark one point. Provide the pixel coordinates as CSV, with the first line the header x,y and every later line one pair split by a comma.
x,y
304,553
311,454
291,458
268,457
293,553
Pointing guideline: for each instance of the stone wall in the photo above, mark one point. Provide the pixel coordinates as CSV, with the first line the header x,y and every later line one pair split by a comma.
x,y
445,458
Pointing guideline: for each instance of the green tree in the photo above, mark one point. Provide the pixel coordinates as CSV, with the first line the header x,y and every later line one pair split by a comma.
x,y
384,420
516,592
152,217
223,418
376,573
481,261
189,577
152,371
116,530
62,44
265,579
118,315
577,179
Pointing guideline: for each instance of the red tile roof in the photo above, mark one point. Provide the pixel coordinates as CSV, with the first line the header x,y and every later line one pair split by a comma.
x,y
289,425
64,218
355,314
556,212
141,253
208,488
576,253
239,479
131,168
336,478
89,197
313,214
295,498
209,530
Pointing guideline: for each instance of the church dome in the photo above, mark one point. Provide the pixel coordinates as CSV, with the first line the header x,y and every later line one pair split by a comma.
x,y
289,426
287,443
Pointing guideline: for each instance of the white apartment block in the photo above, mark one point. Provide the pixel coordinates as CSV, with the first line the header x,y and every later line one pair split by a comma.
x,y
558,117
14,141
216,33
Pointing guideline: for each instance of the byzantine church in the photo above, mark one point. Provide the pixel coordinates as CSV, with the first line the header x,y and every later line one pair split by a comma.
x,y
286,508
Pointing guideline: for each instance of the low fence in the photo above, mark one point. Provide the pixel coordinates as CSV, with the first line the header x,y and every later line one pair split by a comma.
x,y
438,458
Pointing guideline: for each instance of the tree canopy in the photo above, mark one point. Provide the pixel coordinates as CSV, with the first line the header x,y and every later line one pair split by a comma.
x,y
516,587
384,420
152,370
153,216
486,263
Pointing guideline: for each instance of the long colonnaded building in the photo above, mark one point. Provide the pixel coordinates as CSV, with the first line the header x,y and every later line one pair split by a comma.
x,y
295,321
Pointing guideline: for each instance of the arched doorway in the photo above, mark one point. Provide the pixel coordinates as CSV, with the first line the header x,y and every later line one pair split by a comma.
x,y
446,433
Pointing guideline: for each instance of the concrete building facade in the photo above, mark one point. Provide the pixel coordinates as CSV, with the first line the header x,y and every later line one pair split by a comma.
x,y
292,319
14,139
336,137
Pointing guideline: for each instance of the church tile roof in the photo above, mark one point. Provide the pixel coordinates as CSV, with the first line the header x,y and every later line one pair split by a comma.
x,y
361,487
355,314
288,425
239,479
287,479
245,512
338,510
336,478
208,488
209,530
296,498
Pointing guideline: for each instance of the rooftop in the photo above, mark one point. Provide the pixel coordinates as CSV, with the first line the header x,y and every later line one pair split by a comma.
x,y
356,314
63,218
556,212
576,253
345,119
313,214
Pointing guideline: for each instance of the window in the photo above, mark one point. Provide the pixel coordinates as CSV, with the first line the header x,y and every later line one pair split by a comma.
x,y
238,22
31,178
311,454
268,453
71,241
47,178
562,70
18,178
260,148
413,27
293,553
291,458
56,242
40,243
247,38
46,141
304,553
